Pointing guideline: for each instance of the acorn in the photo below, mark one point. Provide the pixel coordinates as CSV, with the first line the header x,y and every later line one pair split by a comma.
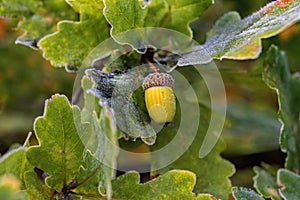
x,y
159,97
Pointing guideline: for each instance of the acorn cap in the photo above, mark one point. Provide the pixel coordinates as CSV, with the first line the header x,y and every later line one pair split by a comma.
x,y
158,79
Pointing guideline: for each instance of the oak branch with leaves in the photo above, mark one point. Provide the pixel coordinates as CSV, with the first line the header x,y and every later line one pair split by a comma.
x,y
79,142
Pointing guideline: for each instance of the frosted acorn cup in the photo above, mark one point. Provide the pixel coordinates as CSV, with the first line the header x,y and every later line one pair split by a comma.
x,y
159,97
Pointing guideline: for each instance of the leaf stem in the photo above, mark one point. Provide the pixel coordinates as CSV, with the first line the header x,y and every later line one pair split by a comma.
x,y
153,68
87,178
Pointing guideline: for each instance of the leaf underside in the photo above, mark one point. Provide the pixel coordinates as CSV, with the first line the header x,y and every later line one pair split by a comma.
x,y
233,38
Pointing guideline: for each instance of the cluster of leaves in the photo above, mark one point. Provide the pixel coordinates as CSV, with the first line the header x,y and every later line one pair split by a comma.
x,y
61,167
75,172
70,163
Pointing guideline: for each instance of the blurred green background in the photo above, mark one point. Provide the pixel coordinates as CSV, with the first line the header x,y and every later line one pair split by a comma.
x,y
252,130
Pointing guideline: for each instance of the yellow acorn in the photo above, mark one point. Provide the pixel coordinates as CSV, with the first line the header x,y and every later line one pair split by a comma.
x,y
159,97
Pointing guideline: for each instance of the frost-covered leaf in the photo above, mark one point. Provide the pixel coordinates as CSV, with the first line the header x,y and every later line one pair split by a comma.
x,y
95,174
212,171
107,150
240,193
277,76
15,163
37,18
91,103
289,183
120,93
89,114
265,183
60,149
124,15
236,38
35,187
175,184
75,39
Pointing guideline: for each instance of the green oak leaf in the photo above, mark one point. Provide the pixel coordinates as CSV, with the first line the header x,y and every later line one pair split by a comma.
x,y
236,38
36,18
175,184
240,193
36,189
278,77
60,149
212,171
265,183
124,15
15,163
289,183
36,27
75,39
